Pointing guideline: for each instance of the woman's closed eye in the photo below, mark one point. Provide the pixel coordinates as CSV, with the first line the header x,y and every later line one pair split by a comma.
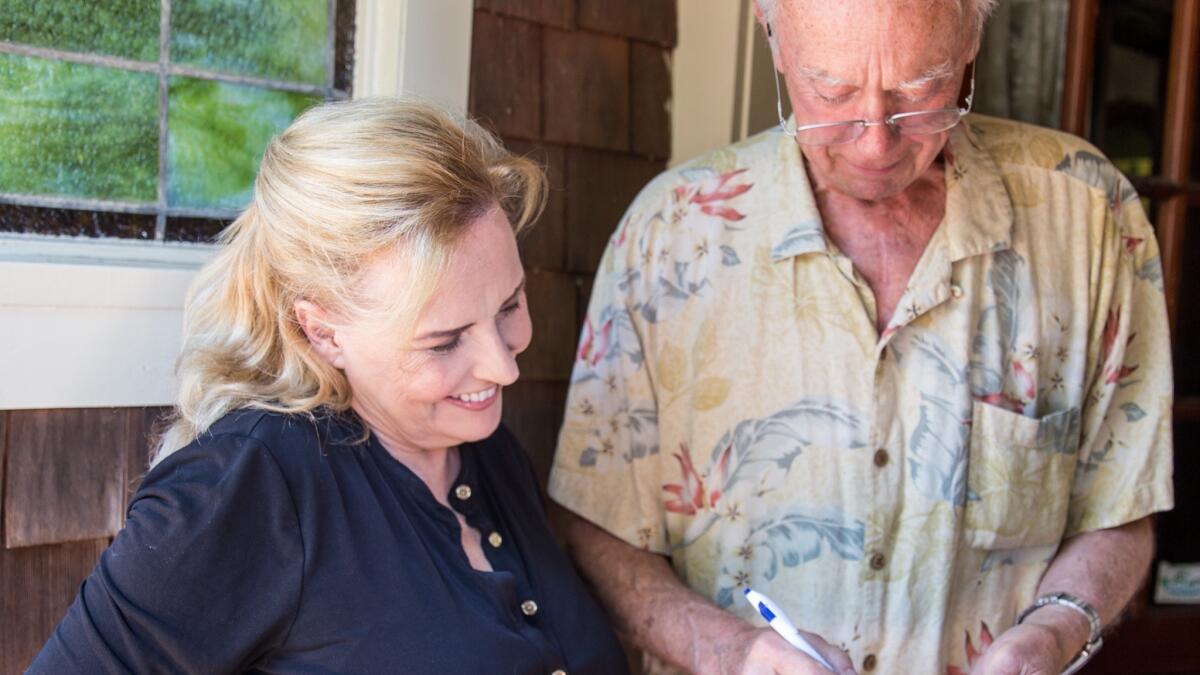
x,y
449,346
510,308
453,343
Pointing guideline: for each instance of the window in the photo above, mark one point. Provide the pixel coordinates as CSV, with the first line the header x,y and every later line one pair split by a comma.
x,y
145,119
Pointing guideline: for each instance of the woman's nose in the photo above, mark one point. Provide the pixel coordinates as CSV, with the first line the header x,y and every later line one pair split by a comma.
x,y
498,362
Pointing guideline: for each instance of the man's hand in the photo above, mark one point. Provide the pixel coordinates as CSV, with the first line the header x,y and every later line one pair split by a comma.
x,y
1105,568
1027,649
765,653
652,609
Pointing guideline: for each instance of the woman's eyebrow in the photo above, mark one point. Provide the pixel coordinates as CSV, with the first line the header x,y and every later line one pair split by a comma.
x,y
451,332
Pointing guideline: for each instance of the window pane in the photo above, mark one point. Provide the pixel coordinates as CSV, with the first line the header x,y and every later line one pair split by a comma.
x,y
69,222
343,70
1187,321
1133,41
200,230
216,134
126,28
276,39
75,130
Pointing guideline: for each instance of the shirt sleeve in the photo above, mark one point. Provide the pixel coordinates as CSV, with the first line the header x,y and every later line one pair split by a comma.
x,y
203,578
1125,458
606,468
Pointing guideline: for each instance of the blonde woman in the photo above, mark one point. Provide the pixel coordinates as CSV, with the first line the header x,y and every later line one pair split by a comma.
x,y
336,493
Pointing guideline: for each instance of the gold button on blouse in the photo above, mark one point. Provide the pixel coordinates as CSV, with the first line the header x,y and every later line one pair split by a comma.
x,y
529,608
495,539
463,492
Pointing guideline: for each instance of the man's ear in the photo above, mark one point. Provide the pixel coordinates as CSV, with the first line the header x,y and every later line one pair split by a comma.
x,y
769,31
314,321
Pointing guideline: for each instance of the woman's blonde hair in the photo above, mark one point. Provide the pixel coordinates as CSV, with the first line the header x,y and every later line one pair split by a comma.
x,y
344,183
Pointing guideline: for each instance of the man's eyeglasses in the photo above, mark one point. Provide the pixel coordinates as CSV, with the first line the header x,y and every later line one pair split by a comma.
x,y
916,123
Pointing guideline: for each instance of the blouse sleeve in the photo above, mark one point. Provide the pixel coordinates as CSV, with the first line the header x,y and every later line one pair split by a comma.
x,y
204,577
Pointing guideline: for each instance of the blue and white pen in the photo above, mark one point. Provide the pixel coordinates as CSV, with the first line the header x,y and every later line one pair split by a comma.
x,y
777,620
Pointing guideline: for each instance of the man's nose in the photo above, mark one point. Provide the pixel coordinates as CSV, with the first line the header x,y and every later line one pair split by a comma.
x,y
878,139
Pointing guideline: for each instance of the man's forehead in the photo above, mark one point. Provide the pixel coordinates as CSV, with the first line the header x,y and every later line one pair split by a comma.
x,y
908,25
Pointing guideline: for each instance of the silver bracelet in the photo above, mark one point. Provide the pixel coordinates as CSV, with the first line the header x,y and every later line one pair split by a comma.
x,y
1095,640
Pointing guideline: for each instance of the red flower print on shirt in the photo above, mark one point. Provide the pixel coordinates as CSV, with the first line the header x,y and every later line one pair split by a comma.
x,y
985,641
1112,328
593,346
690,495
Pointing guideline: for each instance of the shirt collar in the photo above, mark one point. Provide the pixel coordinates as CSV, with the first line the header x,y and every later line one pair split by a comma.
x,y
795,226
978,219
979,213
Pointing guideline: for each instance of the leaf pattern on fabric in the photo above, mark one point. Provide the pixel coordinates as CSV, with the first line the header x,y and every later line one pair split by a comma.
x,y
994,364
790,540
610,335
769,446
1151,271
937,457
1098,172
1133,412
803,238
938,451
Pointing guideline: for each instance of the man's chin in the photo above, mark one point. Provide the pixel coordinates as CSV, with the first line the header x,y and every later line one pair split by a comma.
x,y
871,189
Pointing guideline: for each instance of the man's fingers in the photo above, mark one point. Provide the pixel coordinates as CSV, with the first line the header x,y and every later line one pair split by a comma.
x,y
837,658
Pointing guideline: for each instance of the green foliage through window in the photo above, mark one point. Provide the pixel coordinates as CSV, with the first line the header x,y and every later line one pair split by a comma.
x,y
77,130
217,134
245,37
84,121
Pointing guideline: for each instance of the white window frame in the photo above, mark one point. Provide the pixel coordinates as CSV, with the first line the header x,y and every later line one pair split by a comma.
x,y
97,322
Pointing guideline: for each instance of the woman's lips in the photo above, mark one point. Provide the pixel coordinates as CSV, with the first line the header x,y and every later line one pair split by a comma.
x,y
480,400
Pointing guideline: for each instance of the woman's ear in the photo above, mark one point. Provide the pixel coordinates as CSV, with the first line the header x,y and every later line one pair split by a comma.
x,y
314,321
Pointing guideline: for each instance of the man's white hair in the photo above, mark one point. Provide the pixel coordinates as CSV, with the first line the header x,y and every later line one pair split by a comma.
x,y
976,12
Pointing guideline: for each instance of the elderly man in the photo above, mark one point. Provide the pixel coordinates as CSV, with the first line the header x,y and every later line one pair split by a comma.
x,y
903,371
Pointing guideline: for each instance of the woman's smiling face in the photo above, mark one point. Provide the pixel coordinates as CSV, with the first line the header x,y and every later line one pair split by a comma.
x,y
440,383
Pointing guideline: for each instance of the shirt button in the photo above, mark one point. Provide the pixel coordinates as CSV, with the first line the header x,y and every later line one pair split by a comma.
x,y
529,608
877,561
881,458
559,672
463,492
869,663
956,291
495,539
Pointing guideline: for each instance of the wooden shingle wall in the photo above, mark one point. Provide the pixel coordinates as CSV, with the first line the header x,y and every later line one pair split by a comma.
x,y
583,87
65,479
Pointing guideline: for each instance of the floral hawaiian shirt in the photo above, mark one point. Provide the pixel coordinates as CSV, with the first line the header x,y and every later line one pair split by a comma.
x,y
734,407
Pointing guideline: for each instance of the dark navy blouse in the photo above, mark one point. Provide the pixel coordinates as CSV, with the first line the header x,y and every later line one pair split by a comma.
x,y
277,544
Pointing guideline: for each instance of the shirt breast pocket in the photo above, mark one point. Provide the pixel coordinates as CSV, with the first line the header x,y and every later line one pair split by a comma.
x,y
1019,476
